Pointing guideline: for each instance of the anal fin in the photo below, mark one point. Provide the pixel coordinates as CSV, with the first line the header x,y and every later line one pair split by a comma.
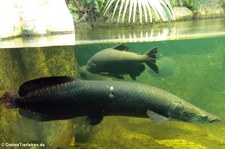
x,y
151,64
40,117
136,71
133,77
31,115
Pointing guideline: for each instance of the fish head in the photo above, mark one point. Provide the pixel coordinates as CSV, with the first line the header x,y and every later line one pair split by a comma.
x,y
91,66
188,112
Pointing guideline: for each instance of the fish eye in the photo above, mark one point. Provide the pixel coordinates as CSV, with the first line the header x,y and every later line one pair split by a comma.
x,y
206,116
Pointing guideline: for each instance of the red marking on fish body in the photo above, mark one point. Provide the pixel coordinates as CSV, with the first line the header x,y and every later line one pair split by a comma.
x,y
8,99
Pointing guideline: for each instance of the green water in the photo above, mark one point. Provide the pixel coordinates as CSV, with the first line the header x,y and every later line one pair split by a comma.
x,y
193,69
196,74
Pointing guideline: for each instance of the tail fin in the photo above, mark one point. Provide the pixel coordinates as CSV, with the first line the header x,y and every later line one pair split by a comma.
x,y
8,99
151,61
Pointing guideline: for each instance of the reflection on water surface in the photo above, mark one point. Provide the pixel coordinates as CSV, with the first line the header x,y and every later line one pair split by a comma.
x,y
156,32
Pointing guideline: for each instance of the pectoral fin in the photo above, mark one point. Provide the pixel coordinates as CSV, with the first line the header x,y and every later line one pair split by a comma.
x,y
156,118
94,119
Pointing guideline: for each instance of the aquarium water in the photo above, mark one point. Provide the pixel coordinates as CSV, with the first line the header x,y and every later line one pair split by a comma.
x,y
191,62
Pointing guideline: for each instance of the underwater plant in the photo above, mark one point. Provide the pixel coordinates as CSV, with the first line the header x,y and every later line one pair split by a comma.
x,y
150,9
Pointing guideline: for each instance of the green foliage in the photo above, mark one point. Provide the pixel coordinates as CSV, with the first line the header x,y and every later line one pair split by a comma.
x,y
150,10
73,10
96,4
195,3
85,8
192,4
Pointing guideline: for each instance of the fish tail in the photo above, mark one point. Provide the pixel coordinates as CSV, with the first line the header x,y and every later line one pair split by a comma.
x,y
151,60
8,99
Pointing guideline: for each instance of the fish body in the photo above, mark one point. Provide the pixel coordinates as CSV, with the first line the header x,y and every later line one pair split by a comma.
x,y
58,98
86,75
118,61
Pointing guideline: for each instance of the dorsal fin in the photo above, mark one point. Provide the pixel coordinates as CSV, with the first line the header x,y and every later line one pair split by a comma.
x,y
121,47
39,83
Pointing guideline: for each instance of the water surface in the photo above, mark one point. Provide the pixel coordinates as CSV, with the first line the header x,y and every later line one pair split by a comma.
x,y
118,34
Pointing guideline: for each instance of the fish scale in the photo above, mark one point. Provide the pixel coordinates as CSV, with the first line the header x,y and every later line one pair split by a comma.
x,y
97,99
117,61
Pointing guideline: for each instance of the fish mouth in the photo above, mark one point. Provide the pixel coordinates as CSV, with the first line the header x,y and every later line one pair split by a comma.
x,y
215,120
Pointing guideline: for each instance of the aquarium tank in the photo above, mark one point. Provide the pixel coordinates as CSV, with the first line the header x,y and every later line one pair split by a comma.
x,y
112,74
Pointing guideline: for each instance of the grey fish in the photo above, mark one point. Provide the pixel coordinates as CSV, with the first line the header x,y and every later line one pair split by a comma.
x,y
118,61
57,98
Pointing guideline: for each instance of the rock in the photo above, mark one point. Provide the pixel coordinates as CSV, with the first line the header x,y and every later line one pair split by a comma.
x,y
105,137
58,17
9,17
183,13
211,9
179,143
20,65
32,14
35,17
61,60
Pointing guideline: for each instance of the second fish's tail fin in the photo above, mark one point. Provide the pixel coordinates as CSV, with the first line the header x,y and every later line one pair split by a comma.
x,y
151,60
